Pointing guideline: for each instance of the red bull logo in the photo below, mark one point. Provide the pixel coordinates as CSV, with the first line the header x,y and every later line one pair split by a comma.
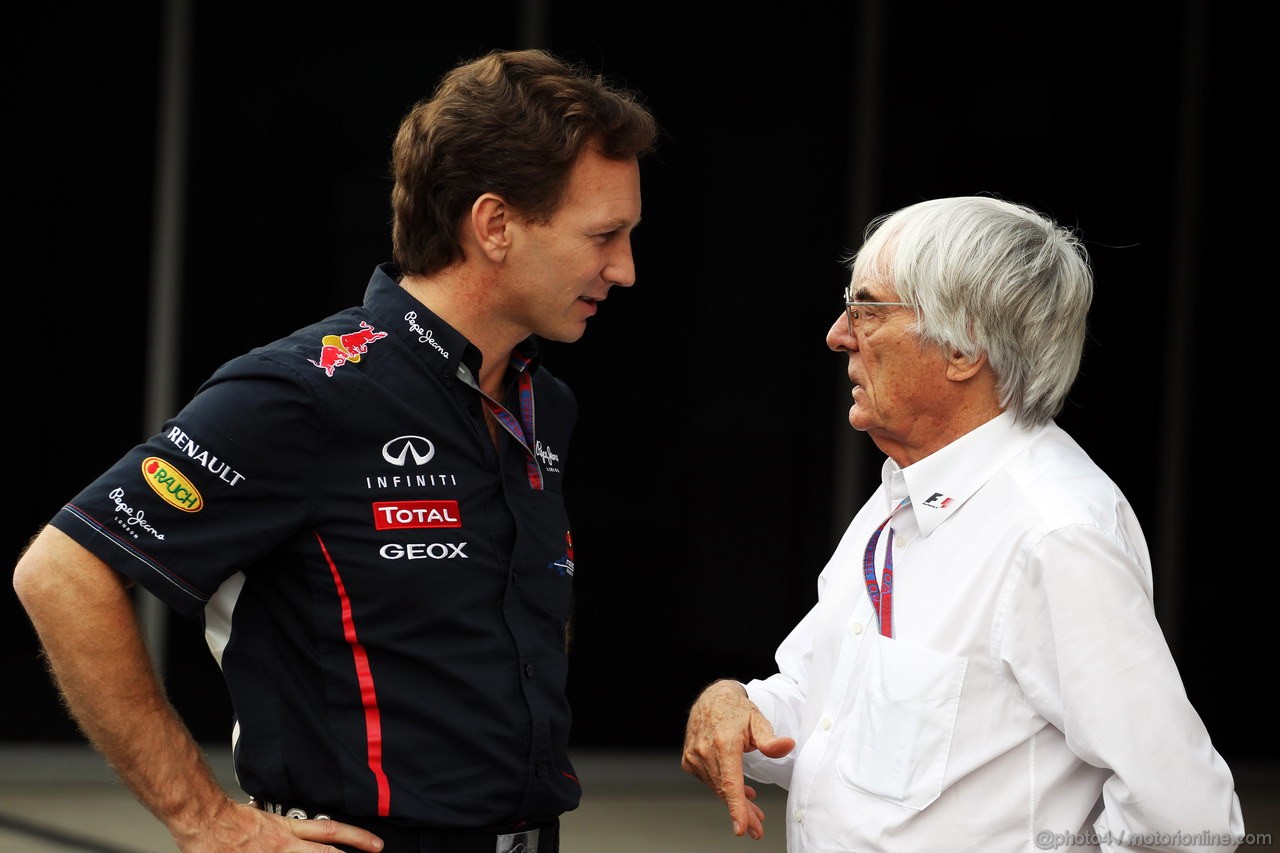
x,y
167,482
337,350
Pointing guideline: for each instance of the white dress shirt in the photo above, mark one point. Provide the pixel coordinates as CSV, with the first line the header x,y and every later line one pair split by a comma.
x,y
1027,700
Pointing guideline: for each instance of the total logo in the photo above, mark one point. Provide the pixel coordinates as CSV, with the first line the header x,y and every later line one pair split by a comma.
x,y
407,515
423,551
337,350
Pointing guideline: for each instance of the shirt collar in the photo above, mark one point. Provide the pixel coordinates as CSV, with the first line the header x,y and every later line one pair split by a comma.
x,y
940,483
440,346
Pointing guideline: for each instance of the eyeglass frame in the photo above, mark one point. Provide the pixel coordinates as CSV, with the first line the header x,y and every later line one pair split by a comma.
x,y
851,307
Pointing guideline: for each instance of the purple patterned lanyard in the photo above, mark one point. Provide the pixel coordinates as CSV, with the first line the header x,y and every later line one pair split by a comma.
x,y
881,594
518,429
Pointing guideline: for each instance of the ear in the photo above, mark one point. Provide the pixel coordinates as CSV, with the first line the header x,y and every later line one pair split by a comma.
x,y
490,225
961,367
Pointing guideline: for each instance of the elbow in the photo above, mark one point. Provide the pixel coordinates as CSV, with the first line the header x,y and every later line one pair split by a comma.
x,y
56,573
33,580
26,579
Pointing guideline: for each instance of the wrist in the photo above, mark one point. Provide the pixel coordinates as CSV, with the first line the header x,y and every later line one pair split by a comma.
x,y
196,818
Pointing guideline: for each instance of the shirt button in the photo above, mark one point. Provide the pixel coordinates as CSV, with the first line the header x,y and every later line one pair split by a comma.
x,y
826,724
540,771
799,815
901,541
528,670
856,628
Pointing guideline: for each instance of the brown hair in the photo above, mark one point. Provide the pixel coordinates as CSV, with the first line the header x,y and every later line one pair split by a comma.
x,y
511,123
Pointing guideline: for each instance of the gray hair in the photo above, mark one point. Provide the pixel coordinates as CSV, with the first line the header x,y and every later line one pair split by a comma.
x,y
988,276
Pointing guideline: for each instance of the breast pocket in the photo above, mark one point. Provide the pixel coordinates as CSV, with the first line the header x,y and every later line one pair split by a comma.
x,y
901,723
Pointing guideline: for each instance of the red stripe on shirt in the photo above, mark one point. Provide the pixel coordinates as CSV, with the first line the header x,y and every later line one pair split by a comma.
x,y
368,696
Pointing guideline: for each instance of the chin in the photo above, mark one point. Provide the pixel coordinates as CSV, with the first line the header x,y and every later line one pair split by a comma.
x,y
564,336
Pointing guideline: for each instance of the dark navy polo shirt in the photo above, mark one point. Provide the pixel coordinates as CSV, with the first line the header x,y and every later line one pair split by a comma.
x,y
385,591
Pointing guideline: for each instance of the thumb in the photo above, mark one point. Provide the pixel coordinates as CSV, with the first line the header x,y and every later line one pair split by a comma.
x,y
766,741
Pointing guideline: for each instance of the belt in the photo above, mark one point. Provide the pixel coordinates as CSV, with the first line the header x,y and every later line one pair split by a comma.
x,y
543,838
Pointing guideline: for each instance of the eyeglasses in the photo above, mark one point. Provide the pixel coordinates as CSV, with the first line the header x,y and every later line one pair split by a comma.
x,y
858,310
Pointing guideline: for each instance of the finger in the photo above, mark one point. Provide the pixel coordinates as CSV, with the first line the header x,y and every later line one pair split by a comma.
x,y
777,747
328,831
755,821
764,739
730,789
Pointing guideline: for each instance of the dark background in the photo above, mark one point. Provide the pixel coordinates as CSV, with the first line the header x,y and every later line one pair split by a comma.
x,y
713,467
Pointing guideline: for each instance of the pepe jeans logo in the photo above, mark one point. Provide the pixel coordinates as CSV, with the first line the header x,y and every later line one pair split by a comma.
x,y
425,336
170,484
549,459
132,517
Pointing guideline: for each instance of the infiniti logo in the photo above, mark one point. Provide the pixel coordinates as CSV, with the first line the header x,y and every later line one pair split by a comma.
x,y
421,448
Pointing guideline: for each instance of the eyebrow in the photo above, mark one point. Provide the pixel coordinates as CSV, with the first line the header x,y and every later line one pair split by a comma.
x,y
863,294
615,224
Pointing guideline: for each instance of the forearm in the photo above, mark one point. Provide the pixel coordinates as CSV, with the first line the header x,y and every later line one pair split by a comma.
x,y
86,622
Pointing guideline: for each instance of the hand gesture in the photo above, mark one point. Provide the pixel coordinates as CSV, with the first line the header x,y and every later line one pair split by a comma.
x,y
724,724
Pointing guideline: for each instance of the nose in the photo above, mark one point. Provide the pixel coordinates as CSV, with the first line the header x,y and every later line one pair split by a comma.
x,y
838,337
621,266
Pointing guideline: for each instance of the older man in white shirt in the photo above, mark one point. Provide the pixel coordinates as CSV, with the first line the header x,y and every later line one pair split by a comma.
x,y
983,669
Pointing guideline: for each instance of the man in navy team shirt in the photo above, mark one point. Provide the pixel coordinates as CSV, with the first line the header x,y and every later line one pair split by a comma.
x,y
367,516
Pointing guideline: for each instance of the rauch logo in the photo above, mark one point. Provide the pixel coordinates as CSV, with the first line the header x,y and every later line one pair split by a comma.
x,y
167,482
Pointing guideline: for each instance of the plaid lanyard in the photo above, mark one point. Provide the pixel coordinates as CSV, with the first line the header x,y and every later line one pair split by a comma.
x,y
881,594
518,429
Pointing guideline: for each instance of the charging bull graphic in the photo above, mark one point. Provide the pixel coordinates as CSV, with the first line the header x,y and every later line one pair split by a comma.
x,y
337,350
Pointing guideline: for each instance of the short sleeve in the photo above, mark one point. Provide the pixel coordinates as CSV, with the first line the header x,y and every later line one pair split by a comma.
x,y
221,485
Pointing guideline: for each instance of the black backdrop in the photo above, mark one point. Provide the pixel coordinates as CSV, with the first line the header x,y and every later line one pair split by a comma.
x,y
712,460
